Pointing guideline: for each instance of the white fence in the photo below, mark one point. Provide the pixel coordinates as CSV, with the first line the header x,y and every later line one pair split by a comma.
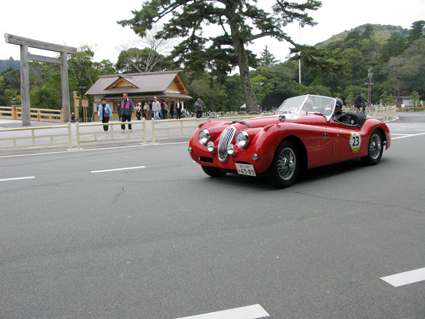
x,y
93,133
36,137
85,134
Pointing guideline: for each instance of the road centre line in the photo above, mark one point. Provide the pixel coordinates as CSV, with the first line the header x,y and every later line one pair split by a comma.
x,y
405,278
16,178
248,312
117,169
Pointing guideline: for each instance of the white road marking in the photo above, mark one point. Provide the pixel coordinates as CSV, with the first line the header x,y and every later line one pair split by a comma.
x,y
248,312
92,149
117,169
16,178
405,135
405,278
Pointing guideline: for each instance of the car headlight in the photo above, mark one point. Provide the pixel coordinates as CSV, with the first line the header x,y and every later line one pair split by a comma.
x,y
230,149
242,139
204,136
210,146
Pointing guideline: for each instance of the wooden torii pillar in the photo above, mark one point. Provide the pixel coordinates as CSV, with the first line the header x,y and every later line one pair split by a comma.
x,y
25,78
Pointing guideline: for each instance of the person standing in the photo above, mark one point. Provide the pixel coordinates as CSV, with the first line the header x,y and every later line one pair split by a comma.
x,y
156,108
199,107
105,113
119,111
126,110
359,102
150,111
138,110
146,111
171,110
179,108
162,110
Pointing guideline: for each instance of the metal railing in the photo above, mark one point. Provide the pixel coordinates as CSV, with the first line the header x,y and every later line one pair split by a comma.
x,y
84,133
111,134
173,131
23,135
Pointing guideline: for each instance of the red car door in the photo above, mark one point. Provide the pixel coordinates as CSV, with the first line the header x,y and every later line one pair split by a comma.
x,y
323,144
351,141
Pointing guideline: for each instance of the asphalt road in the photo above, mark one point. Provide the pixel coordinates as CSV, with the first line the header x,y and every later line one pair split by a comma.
x,y
83,238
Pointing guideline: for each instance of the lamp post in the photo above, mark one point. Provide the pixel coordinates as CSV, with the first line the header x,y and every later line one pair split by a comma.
x,y
13,102
82,88
259,83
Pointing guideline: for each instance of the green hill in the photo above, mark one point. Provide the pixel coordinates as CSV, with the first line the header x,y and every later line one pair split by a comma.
x,y
380,35
6,64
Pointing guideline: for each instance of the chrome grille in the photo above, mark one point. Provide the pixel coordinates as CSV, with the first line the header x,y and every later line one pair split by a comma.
x,y
225,139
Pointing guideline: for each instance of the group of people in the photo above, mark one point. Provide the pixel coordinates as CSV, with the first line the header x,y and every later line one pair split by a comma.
x,y
125,112
156,110
160,111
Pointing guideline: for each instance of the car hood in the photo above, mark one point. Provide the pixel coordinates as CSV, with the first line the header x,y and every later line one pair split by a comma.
x,y
273,119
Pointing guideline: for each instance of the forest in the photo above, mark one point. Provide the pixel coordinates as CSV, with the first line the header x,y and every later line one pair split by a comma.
x,y
390,57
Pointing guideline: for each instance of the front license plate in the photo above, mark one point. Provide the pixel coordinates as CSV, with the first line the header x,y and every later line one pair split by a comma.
x,y
245,169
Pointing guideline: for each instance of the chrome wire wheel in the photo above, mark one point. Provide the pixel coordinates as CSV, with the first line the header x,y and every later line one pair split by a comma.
x,y
375,146
286,163
285,167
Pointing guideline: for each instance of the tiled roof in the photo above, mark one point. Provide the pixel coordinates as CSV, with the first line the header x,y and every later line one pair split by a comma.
x,y
142,83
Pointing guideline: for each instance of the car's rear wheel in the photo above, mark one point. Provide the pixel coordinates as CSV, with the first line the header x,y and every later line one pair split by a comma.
x,y
285,166
213,171
375,149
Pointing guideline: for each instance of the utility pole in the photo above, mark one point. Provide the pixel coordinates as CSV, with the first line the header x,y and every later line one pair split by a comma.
x,y
259,83
299,41
369,83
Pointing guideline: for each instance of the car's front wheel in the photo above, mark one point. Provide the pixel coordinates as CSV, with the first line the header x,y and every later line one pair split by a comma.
x,y
213,171
285,166
375,149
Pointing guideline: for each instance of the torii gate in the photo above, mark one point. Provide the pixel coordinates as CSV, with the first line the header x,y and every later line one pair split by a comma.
x,y
25,78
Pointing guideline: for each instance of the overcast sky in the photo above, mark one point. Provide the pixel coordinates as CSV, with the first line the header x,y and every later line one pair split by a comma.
x,y
93,23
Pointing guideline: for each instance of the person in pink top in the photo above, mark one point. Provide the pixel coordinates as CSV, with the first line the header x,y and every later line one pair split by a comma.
x,y
126,110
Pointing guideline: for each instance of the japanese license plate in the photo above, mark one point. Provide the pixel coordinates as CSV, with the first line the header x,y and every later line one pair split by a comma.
x,y
245,169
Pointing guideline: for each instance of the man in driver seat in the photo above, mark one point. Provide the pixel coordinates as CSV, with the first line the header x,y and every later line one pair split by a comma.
x,y
338,114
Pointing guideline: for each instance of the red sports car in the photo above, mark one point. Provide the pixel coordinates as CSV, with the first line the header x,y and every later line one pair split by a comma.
x,y
307,131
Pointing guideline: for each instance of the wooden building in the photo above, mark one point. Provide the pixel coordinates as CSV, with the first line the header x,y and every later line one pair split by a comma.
x,y
140,87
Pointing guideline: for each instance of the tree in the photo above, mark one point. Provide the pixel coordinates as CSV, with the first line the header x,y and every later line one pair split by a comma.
x,y
387,99
6,64
417,31
368,32
394,46
148,59
240,23
9,86
415,98
267,58
80,65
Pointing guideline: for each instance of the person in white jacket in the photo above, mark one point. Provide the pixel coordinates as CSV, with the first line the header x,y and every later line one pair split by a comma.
x,y
156,108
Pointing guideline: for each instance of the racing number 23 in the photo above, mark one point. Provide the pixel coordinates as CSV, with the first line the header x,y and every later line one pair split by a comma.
x,y
355,142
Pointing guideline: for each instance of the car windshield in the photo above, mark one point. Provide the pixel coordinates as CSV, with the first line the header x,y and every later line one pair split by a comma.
x,y
313,104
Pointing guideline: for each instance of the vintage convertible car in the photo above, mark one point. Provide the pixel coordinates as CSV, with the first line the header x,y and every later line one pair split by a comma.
x,y
304,133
